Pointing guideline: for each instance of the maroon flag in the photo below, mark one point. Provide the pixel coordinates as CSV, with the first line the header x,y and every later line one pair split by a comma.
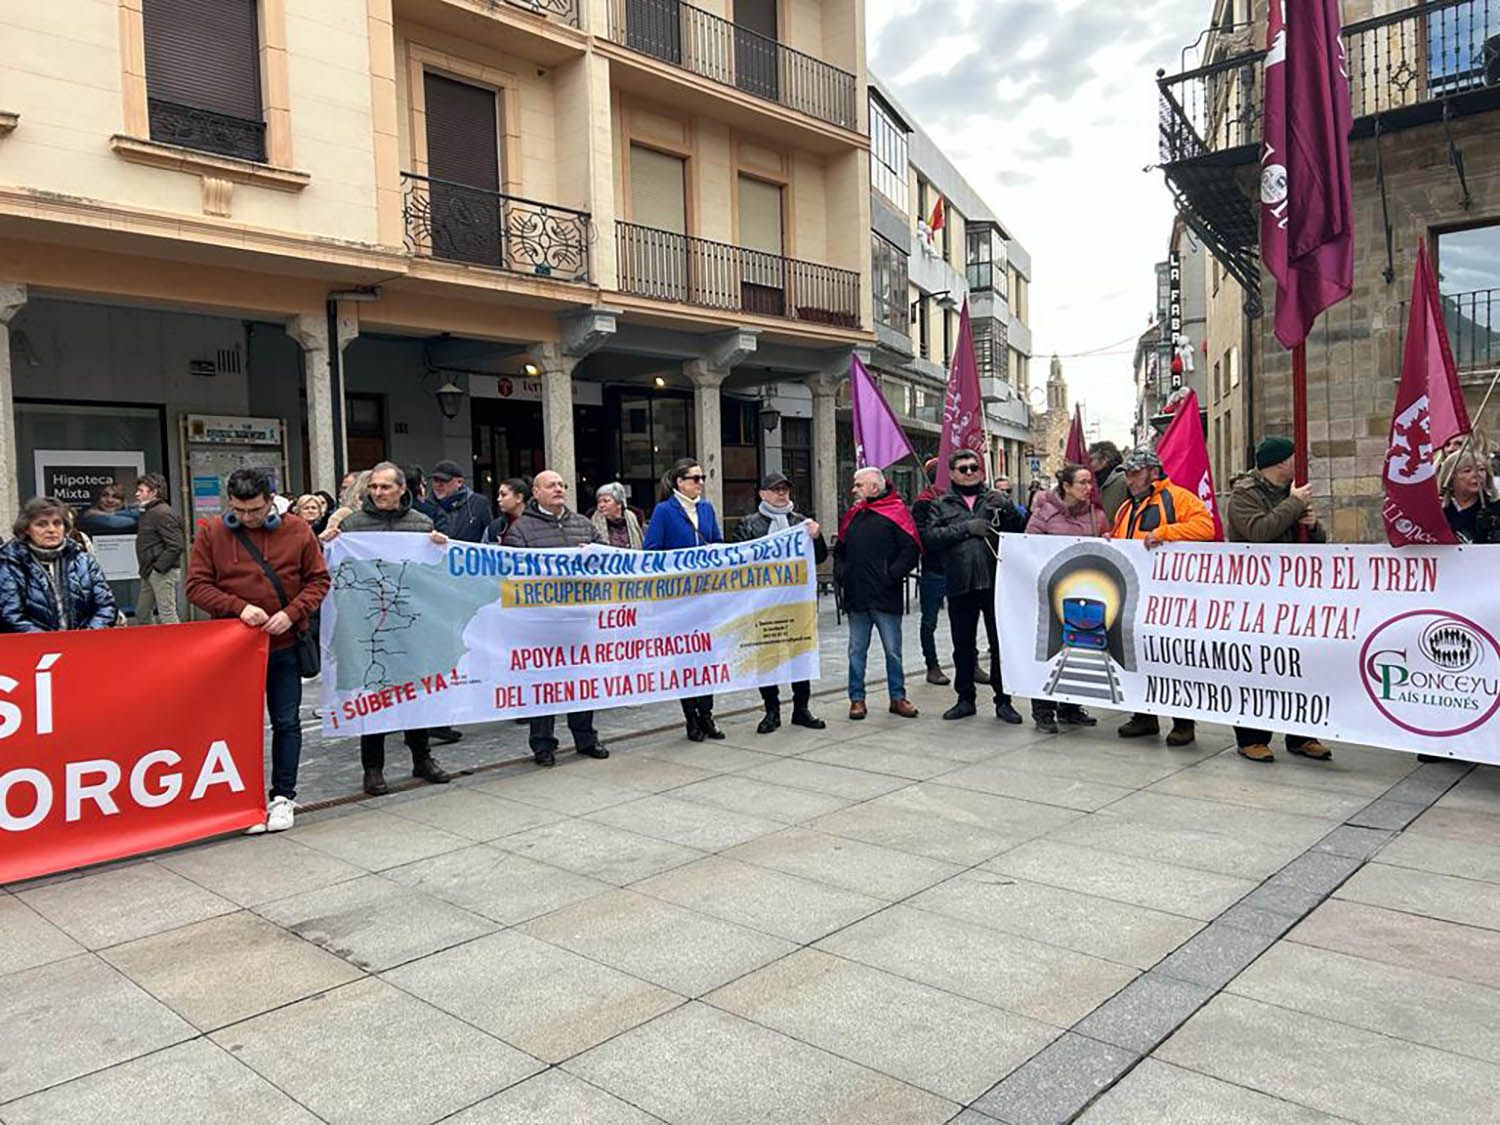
x,y
1429,413
1184,457
879,440
963,412
1306,217
1077,450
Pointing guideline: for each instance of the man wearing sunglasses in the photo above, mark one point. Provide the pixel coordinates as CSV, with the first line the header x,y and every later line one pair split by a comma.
x,y
962,528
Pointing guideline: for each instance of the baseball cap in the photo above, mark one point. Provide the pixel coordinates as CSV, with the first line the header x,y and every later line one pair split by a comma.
x,y
1141,459
447,470
774,480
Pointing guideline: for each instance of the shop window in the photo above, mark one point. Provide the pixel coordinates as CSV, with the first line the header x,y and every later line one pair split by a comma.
x,y
797,460
203,80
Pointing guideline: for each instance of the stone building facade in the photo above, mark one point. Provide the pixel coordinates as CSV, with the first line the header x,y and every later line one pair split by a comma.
x,y
1431,174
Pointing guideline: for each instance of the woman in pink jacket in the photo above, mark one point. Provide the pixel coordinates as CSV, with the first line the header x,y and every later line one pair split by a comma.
x,y
1069,509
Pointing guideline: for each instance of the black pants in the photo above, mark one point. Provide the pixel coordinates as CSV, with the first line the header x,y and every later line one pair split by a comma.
x,y
801,693
372,748
964,612
1049,709
1247,736
580,723
697,706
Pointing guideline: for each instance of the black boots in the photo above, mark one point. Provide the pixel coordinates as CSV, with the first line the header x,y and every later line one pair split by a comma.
x,y
427,769
770,721
375,784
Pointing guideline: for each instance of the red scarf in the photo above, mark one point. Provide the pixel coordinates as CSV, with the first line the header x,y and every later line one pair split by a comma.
x,y
889,505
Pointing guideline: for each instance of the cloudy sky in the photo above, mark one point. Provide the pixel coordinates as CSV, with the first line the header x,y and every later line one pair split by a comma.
x,y
1048,108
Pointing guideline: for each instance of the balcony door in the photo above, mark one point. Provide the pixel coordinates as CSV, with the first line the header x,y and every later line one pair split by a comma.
x,y
756,65
465,212
654,255
762,260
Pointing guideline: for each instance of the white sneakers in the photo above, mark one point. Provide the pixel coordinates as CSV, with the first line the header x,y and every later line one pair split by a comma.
x,y
279,814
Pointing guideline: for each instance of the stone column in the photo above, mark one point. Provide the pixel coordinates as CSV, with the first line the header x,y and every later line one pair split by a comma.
x,y
557,414
12,299
326,454
825,458
708,427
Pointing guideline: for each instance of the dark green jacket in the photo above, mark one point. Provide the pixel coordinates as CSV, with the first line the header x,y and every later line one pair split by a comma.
x,y
371,518
1262,512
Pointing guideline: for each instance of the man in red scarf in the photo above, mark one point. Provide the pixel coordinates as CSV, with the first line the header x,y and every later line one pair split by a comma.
x,y
877,548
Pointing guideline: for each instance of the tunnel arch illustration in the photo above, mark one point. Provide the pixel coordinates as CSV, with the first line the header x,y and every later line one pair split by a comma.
x,y
1086,606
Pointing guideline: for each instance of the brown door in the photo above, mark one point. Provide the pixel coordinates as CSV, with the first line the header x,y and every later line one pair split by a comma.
x,y
463,166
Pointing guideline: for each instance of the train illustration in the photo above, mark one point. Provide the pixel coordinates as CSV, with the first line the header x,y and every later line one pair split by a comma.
x,y
1083,623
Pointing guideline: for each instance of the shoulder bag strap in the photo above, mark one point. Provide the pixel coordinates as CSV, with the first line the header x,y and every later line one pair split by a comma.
x,y
239,533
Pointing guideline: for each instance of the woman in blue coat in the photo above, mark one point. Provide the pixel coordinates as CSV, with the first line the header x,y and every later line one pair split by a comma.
x,y
684,519
47,581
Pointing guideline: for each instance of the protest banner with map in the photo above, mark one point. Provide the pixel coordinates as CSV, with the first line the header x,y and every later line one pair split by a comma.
x,y
417,635
1370,644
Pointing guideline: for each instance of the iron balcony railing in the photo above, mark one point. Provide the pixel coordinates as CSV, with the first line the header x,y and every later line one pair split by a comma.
x,y
205,130
564,10
694,271
457,223
1405,59
724,52
1474,328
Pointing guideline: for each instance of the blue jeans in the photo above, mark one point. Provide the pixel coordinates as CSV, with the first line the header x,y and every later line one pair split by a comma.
x,y
889,625
932,588
283,700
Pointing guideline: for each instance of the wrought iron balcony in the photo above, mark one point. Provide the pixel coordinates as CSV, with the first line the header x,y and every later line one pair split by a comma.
x,y
565,11
457,223
1474,329
694,271
718,49
1419,64
206,131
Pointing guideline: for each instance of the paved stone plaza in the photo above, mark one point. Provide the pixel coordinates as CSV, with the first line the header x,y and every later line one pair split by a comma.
x,y
889,921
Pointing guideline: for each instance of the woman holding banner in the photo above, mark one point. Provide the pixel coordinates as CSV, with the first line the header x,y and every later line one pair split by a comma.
x,y
684,519
1469,498
47,581
1069,509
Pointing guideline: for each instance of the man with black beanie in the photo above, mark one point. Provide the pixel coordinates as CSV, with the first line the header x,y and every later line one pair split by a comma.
x,y
1266,506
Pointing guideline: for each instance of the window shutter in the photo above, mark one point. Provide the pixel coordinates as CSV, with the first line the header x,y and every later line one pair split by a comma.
x,y
204,54
658,195
760,216
462,139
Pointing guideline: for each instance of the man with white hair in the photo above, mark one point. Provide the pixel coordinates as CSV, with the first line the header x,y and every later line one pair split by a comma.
x,y
877,548
546,521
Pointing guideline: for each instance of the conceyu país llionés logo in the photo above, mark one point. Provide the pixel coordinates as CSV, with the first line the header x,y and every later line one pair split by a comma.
x,y
1432,672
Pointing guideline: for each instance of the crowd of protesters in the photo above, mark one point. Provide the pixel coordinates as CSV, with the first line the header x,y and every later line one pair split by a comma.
x,y
261,561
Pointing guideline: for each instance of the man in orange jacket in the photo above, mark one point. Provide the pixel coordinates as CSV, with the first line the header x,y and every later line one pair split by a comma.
x,y
1156,511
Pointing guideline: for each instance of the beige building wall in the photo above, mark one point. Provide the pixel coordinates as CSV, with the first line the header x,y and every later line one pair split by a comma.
x,y
67,75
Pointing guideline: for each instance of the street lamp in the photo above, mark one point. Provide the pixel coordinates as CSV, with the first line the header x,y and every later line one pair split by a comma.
x,y
450,398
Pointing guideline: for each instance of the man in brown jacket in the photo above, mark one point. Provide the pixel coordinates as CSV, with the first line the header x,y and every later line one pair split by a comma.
x,y
226,580
1266,506
159,542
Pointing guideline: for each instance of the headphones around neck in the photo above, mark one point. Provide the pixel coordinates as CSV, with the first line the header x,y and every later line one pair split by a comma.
x,y
272,521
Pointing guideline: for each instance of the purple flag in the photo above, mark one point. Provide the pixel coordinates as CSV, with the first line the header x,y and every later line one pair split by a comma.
x,y
963,412
879,440
1306,217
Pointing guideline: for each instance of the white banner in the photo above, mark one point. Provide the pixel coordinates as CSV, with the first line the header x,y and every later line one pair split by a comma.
x,y
1369,644
418,635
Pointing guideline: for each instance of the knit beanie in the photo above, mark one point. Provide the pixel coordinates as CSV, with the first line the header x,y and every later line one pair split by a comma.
x,y
1273,451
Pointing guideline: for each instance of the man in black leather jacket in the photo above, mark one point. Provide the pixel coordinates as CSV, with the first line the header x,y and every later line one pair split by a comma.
x,y
963,526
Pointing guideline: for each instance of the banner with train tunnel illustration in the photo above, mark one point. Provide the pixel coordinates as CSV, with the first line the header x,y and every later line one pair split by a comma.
x,y
418,635
1387,646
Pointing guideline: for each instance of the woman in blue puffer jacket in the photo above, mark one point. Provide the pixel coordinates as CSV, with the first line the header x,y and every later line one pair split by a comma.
x,y
47,581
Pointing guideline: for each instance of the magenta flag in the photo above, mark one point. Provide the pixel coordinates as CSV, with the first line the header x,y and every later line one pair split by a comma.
x,y
1184,457
879,440
1306,216
963,412
1429,413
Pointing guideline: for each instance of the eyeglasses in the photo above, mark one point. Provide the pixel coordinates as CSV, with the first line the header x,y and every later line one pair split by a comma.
x,y
970,468
700,478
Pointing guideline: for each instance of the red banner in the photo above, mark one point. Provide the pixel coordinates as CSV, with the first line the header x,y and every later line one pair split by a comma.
x,y
120,741
1184,458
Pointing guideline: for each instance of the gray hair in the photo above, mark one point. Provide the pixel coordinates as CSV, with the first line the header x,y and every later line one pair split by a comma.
x,y
390,467
614,490
871,471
